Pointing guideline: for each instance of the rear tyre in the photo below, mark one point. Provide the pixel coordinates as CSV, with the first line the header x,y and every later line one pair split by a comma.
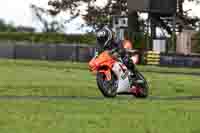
x,y
107,88
144,86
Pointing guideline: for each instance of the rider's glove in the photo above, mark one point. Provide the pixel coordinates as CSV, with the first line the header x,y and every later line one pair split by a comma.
x,y
96,54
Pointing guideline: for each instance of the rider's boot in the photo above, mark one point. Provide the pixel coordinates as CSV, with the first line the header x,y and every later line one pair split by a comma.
x,y
135,90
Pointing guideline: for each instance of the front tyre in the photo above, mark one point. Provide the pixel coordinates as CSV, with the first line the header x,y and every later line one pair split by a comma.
x,y
107,88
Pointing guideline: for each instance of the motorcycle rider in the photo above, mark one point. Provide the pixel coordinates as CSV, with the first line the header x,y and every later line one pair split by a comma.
x,y
106,41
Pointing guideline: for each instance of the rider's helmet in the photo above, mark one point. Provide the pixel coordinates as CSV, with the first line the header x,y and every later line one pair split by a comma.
x,y
104,37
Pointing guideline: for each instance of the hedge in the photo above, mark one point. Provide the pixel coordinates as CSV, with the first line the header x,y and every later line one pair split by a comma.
x,y
48,37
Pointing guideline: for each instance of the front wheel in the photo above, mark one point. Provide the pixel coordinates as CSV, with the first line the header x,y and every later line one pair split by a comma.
x,y
107,88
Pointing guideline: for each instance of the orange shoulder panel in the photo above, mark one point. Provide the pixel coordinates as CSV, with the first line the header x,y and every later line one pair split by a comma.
x,y
127,44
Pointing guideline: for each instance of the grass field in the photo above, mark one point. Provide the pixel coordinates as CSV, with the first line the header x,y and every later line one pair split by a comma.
x,y
40,78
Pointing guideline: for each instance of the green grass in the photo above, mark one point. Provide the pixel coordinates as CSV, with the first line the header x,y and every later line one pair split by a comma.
x,y
84,66
170,69
47,38
41,78
86,116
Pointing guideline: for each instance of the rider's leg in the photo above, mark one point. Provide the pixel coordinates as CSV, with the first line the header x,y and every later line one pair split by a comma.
x,y
129,64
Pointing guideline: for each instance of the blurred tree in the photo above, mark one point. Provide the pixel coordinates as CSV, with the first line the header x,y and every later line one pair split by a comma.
x,y
96,15
4,27
48,25
183,17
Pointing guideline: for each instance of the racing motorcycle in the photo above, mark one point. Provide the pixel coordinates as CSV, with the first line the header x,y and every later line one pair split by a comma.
x,y
114,78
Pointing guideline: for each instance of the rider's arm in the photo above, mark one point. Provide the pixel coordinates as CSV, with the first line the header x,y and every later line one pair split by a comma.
x,y
98,49
96,53
121,49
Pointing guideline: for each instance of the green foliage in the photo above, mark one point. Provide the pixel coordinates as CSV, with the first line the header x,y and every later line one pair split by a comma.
x,y
138,40
48,37
6,27
196,43
96,16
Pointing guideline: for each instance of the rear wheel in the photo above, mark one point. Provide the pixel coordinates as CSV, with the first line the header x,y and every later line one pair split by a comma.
x,y
107,88
143,86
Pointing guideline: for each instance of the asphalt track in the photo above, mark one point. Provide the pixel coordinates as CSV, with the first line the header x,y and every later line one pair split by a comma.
x,y
151,98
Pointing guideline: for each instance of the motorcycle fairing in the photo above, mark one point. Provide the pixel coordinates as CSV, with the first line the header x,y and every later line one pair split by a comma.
x,y
122,73
103,63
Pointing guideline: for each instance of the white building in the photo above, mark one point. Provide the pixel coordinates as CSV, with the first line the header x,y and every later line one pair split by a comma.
x,y
120,25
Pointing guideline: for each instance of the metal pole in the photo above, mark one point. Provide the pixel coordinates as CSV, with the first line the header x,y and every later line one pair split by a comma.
x,y
148,33
153,30
174,34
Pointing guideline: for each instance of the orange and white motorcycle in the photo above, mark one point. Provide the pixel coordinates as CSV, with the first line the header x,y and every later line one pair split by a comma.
x,y
113,78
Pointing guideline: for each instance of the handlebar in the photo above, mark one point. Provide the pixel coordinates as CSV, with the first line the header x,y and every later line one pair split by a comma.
x,y
130,51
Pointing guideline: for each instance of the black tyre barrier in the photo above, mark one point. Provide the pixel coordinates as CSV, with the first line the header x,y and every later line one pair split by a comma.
x,y
180,61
